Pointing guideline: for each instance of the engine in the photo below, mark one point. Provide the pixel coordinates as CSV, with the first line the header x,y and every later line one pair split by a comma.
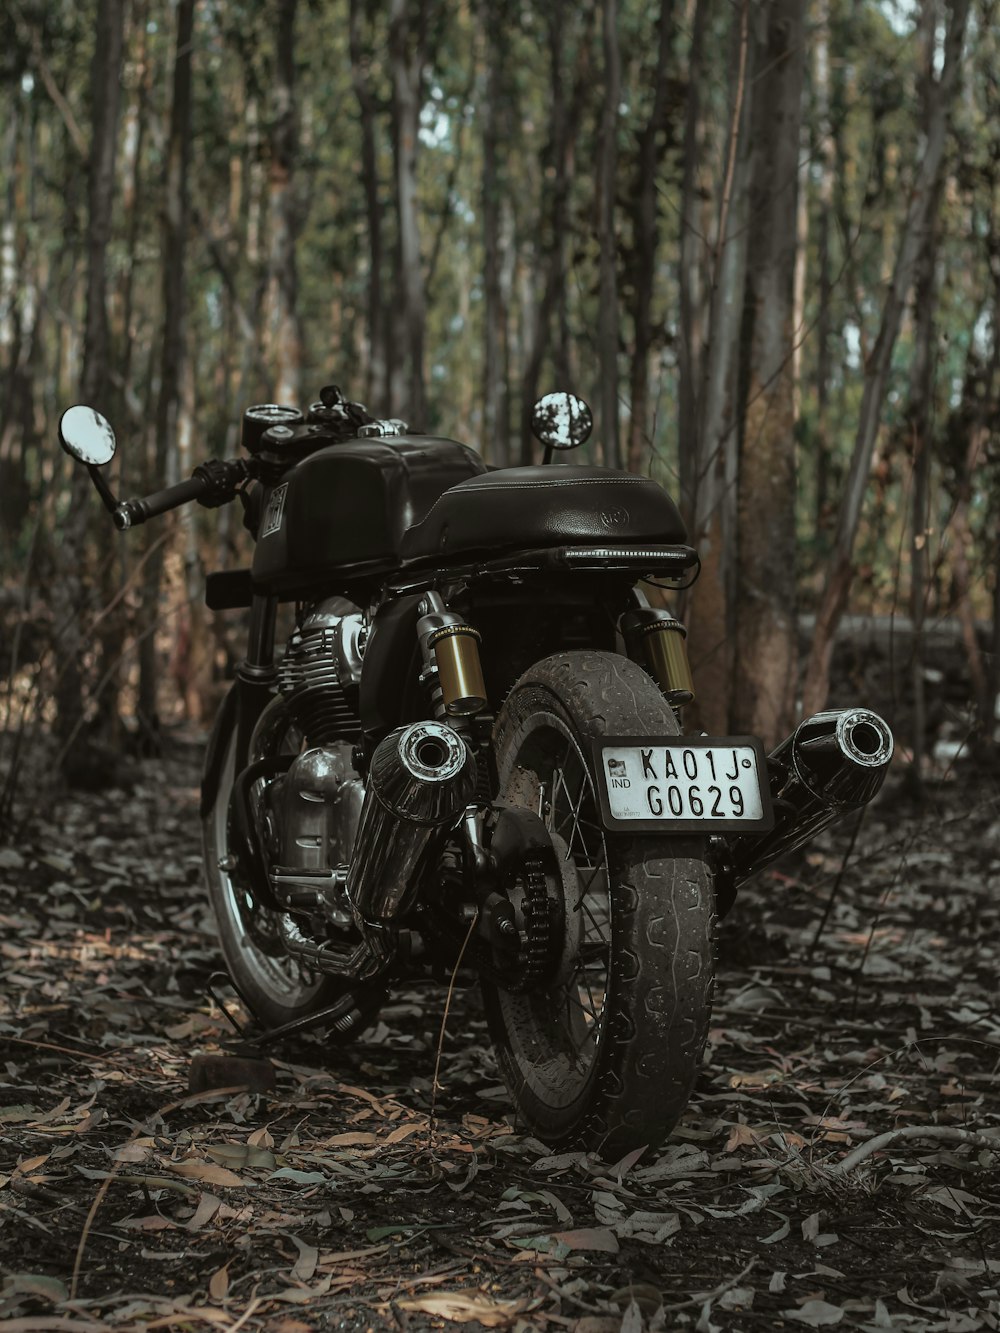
x,y
322,795
321,669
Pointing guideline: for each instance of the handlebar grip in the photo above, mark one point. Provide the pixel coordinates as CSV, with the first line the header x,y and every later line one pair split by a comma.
x,y
130,513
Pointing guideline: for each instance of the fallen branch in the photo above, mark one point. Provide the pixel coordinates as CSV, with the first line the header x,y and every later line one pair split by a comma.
x,y
892,1136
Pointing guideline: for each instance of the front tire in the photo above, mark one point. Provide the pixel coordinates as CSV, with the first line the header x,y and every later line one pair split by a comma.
x,y
604,1054
275,987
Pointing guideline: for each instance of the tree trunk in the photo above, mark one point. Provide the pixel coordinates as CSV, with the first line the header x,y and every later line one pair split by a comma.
x,y
133,142
690,276
377,387
496,20
713,526
550,276
825,200
919,431
607,316
939,96
918,423
407,34
285,330
766,627
173,351
72,592
645,208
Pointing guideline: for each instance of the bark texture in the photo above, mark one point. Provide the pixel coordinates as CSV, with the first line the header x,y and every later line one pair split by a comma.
x,y
765,672
607,318
173,351
285,334
71,596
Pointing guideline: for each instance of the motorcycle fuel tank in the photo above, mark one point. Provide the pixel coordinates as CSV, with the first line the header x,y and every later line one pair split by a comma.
x,y
345,508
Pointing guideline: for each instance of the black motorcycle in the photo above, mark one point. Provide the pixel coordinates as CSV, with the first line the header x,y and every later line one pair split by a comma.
x,y
468,753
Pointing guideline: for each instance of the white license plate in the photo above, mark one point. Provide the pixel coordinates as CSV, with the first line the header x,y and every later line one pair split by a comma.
x,y
683,784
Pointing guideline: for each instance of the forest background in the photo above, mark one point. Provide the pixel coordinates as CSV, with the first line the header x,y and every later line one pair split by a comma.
x,y
760,236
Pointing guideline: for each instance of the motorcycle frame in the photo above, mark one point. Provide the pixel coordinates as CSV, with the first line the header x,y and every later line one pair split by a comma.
x,y
391,653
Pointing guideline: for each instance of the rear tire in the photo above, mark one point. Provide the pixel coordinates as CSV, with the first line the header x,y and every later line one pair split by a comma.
x,y
605,1055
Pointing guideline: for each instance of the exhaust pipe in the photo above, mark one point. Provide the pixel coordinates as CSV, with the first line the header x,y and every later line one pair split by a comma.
x,y
831,764
422,777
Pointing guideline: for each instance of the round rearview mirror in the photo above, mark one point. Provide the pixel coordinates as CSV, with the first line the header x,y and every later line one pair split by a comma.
x,y
87,436
561,421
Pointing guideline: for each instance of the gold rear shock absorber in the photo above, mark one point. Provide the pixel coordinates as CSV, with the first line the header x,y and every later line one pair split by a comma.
x,y
450,650
656,639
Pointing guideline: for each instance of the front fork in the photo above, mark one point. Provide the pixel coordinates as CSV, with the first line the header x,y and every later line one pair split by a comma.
x,y
257,673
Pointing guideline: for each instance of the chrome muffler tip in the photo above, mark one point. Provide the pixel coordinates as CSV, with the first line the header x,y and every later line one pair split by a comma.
x,y
864,738
831,764
840,755
431,752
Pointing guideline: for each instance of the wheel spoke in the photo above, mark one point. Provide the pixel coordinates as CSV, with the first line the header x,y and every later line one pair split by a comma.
x,y
568,1019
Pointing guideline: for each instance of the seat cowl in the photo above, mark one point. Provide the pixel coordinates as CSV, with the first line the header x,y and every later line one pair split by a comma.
x,y
550,505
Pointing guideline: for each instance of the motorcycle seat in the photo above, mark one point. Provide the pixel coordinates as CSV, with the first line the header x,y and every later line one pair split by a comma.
x,y
554,505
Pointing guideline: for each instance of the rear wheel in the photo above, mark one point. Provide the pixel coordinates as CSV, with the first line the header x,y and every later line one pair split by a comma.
x,y
605,1052
275,986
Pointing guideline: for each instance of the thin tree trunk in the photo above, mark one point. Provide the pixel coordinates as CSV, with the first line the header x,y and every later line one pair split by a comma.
x,y
550,278
495,18
407,34
133,141
766,632
377,387
962,581
825,200
939,98
918,424
692,258
607,317
713,529
285,330
70,595
645,208
173,352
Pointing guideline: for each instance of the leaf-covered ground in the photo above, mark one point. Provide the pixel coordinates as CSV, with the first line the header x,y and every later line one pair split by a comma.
x,y
333,1201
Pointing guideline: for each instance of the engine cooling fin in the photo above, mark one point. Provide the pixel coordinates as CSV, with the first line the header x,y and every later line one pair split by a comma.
x,y
318,674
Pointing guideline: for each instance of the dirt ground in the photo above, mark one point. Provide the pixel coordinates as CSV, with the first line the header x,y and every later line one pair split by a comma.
x,y
333,1201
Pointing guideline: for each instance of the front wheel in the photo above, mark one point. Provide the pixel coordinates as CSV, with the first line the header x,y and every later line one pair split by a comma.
x,y
604,1053
275,987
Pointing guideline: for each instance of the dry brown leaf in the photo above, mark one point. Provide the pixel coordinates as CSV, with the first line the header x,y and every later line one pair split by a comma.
x,y
741,1136
305,1264
403,1132
588,1238
462,1307
208,1173
351,1140
132,1152
218,1284
31,1165
152,1223
208,1206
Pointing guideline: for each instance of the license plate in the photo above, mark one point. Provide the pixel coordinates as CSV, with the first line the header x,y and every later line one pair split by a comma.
x,y
683,784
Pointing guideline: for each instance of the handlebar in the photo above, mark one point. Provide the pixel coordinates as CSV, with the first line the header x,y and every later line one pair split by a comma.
x,y
129,513
212,484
